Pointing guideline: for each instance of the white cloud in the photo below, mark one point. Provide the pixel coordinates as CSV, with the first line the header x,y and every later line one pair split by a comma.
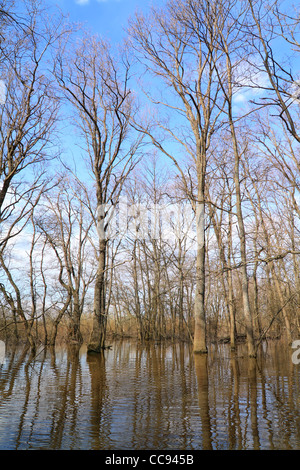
x,y
82,2
86,2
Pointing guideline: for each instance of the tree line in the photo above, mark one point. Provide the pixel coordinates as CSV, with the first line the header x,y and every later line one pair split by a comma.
x,y
192,123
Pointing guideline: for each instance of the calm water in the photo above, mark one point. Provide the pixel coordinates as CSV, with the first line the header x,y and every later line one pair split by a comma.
x,y
155,397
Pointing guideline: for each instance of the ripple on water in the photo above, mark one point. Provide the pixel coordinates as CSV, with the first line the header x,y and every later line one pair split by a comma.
x,y
147,398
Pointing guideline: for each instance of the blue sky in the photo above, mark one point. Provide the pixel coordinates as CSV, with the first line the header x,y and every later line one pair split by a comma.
x,y
105,17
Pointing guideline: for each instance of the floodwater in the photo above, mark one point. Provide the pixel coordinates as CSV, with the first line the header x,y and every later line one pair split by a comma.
x,y
150,397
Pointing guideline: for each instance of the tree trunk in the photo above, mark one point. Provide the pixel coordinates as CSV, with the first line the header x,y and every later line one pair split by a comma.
x,y
97,339
245,286
231,299
282,302
137,305
226,266
245,283
74,329
200,320
242,238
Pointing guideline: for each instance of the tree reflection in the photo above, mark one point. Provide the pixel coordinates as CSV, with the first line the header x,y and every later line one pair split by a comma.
x,y
203,399
253,398
235,430
99,427
143,397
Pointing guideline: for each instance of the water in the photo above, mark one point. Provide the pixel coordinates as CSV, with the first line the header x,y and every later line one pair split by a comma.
x,y
154,397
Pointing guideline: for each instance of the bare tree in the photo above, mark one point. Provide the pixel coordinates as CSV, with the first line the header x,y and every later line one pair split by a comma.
x,y
178,46
266,28
151,285
66,227
231,43
28,114
96,83
220,193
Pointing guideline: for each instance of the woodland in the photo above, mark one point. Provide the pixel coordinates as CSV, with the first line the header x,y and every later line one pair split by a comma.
x,y
150,189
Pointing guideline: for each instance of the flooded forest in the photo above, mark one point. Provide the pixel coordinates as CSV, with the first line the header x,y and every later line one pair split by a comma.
x,y
149,228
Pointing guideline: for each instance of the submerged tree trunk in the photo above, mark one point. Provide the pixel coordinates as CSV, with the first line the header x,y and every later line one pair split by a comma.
x,y
98,334
74,328
57,320
231,299
200,320
282,302
243,254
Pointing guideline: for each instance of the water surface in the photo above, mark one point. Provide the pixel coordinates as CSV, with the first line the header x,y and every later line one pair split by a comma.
x,y
150,397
